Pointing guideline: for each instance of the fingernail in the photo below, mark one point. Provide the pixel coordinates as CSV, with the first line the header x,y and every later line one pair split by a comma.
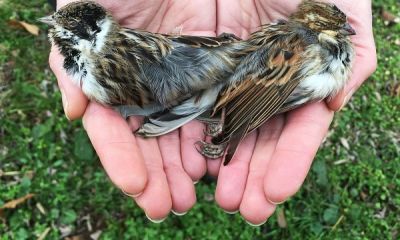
x,y
275,203
156,220
196,182
131,195
178,213
256,225
231,212
65,103
346,99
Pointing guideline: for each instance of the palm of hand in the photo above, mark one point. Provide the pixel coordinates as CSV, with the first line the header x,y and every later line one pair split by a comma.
x,y
151,168
270,165
285,146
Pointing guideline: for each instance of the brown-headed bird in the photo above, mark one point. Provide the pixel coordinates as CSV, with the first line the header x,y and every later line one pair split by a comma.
x,y
307,57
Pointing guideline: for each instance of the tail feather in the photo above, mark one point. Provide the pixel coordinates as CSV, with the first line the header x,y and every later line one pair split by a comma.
x,y
164,124
131,110
170,119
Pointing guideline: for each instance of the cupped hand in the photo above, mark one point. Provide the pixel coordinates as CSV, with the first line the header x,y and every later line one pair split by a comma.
x,y
272,163
157,173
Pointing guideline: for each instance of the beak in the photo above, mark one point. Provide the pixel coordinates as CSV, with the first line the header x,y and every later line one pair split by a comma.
x,y
347,30
49,20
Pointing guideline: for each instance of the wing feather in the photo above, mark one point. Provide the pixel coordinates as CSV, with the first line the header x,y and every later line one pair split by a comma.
x,y
251,102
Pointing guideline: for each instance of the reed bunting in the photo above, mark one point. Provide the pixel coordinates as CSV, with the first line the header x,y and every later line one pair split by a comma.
x,y
168,78
307,57
173,79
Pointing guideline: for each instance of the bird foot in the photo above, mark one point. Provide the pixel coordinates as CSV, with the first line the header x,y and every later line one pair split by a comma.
x,y
210,150
229,36
213,129
140,132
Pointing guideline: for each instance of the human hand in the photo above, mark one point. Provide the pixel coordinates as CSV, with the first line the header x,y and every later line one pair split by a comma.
x,y
272,163
157,173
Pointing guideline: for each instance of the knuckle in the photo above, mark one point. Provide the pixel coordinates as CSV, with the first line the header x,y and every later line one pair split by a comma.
x,y
129,185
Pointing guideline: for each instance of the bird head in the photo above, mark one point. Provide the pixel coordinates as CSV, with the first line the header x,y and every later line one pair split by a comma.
x,y
323,18
81,19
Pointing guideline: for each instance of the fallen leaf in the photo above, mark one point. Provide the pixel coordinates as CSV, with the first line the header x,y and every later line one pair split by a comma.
x,y
378,96
281,218
395,89
40,207
337,223
65,230
3,47
15,52
33,29
14,203
29,174
389,18
208,197
381,214
341,161
96,235
363,196
10,173
395,233
6,72
77,237
345,143
43,235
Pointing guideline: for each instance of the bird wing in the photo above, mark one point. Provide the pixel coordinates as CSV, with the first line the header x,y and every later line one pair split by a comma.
x,y
259,96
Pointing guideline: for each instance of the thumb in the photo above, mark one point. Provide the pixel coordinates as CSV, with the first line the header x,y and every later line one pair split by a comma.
x,y
74,101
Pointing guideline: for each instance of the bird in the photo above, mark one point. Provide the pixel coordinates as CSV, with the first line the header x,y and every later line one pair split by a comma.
x,y
232,84
169,78
288,63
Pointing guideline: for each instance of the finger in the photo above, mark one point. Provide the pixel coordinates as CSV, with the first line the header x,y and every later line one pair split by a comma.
x,y
74,101
303,133
255,208
116,147
232,177
193,162
61,3
156,198
194,20
244,21
213,165
180,184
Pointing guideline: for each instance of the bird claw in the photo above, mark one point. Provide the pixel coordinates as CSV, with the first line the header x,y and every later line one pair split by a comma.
x,y
213,129
229,36
210,150
140,132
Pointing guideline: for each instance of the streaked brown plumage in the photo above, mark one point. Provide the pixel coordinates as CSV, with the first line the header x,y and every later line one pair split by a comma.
x,y
174,79
290,63
170,79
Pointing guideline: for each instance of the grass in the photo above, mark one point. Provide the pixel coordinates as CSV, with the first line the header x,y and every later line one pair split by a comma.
x,y
350,193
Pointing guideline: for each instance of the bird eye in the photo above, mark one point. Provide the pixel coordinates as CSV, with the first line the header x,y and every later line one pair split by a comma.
x,y
73,24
